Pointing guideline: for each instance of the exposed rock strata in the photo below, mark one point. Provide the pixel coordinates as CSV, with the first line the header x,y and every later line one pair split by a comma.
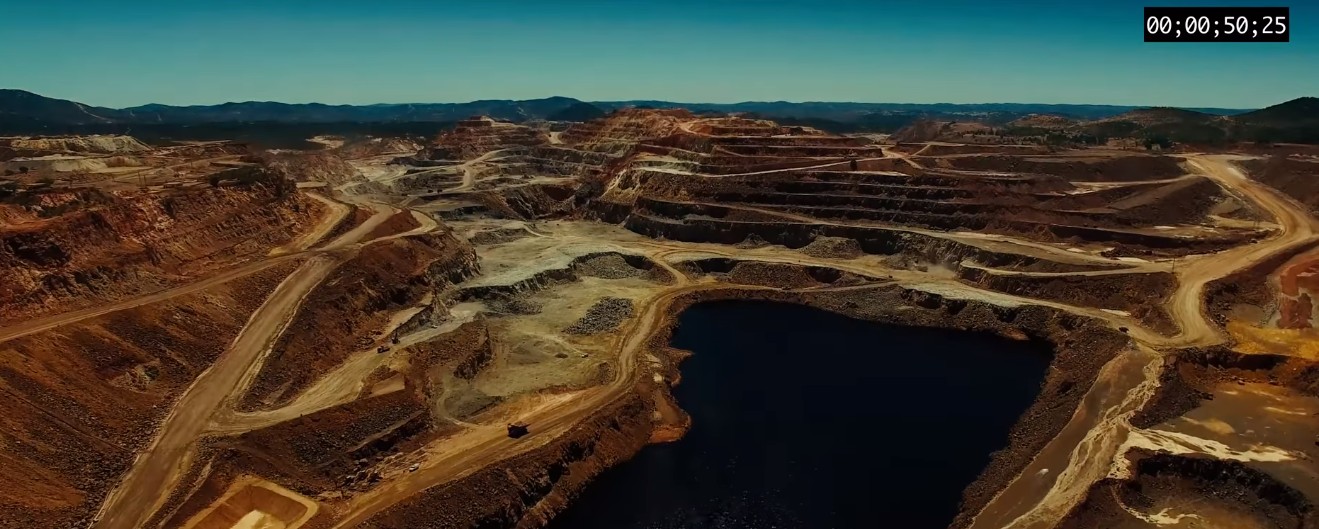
x,y
138,244
110,382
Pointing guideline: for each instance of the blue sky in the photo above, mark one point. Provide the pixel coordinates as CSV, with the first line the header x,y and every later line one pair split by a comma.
x,y
128,52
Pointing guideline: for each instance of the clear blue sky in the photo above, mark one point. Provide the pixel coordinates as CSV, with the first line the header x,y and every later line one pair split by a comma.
x,y
123,53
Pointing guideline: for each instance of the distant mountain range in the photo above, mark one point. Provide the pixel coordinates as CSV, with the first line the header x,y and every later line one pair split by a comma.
x,y
845,112
1295,121
23,112
26,106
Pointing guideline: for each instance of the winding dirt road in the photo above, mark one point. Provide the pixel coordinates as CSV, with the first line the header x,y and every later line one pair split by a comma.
x,y
469,170
67,318
1296,227
336,212
157,469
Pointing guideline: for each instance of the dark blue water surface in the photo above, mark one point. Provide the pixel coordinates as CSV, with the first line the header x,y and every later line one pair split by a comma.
x,y
804,418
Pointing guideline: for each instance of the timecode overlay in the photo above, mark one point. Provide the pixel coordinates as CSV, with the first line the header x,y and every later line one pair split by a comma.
x,y
1217,24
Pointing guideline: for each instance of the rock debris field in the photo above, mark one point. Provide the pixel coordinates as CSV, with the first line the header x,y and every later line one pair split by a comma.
x,y
602,317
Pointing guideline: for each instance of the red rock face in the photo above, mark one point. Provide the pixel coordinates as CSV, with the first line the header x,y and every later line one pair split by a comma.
x,y
628,125
1298,280
476,136
81,401
125,244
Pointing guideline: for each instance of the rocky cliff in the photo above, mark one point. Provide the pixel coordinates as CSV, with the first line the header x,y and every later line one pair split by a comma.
x,y
136,243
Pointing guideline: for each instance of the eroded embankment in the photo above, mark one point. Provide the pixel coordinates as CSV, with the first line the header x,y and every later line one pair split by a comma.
x,y
347,447
1167,489
1227,437
341,315
1143,295
531,201
525,491
342,448
1193,373
141,244
1294,176
546,478
1251,294
80,403
570,270
695,222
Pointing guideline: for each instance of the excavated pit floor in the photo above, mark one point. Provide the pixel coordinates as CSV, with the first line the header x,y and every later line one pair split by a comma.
x,y
804,418
1269,428
253,503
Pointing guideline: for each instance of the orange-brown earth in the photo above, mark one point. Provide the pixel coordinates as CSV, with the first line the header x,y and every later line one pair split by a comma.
x,y
89,247
354,303
81,400
365,358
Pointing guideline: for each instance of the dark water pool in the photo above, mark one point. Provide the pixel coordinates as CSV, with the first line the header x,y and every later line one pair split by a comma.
x,y
804,418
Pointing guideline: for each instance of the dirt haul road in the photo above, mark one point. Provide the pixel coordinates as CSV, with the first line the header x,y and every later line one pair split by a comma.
x,y
469,169
336,213
50,322
156,470
299,250
1296,227
479,447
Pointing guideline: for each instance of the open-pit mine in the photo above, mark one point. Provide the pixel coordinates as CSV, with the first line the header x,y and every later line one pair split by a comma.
x,y
477,329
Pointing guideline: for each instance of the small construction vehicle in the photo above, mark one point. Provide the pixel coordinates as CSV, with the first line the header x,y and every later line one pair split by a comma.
x,y
517,429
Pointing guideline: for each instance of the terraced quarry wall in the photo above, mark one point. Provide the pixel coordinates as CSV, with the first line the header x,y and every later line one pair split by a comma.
x,y
477,136
132,245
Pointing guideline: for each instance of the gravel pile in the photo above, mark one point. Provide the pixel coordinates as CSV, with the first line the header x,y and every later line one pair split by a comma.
x,y
498,236
608,266
752,241
516,305
771,275
604,316
833,248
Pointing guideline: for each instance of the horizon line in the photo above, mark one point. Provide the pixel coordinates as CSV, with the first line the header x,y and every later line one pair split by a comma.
x,y
1137,106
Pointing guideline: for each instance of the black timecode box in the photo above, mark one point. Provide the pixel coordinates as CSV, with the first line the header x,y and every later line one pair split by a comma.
x,y
1217,24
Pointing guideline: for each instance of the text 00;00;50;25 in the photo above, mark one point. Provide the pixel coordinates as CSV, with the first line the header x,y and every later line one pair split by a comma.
x,y
1217,24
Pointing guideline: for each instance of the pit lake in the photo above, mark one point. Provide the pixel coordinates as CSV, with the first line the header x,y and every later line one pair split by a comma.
x,y
805,418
